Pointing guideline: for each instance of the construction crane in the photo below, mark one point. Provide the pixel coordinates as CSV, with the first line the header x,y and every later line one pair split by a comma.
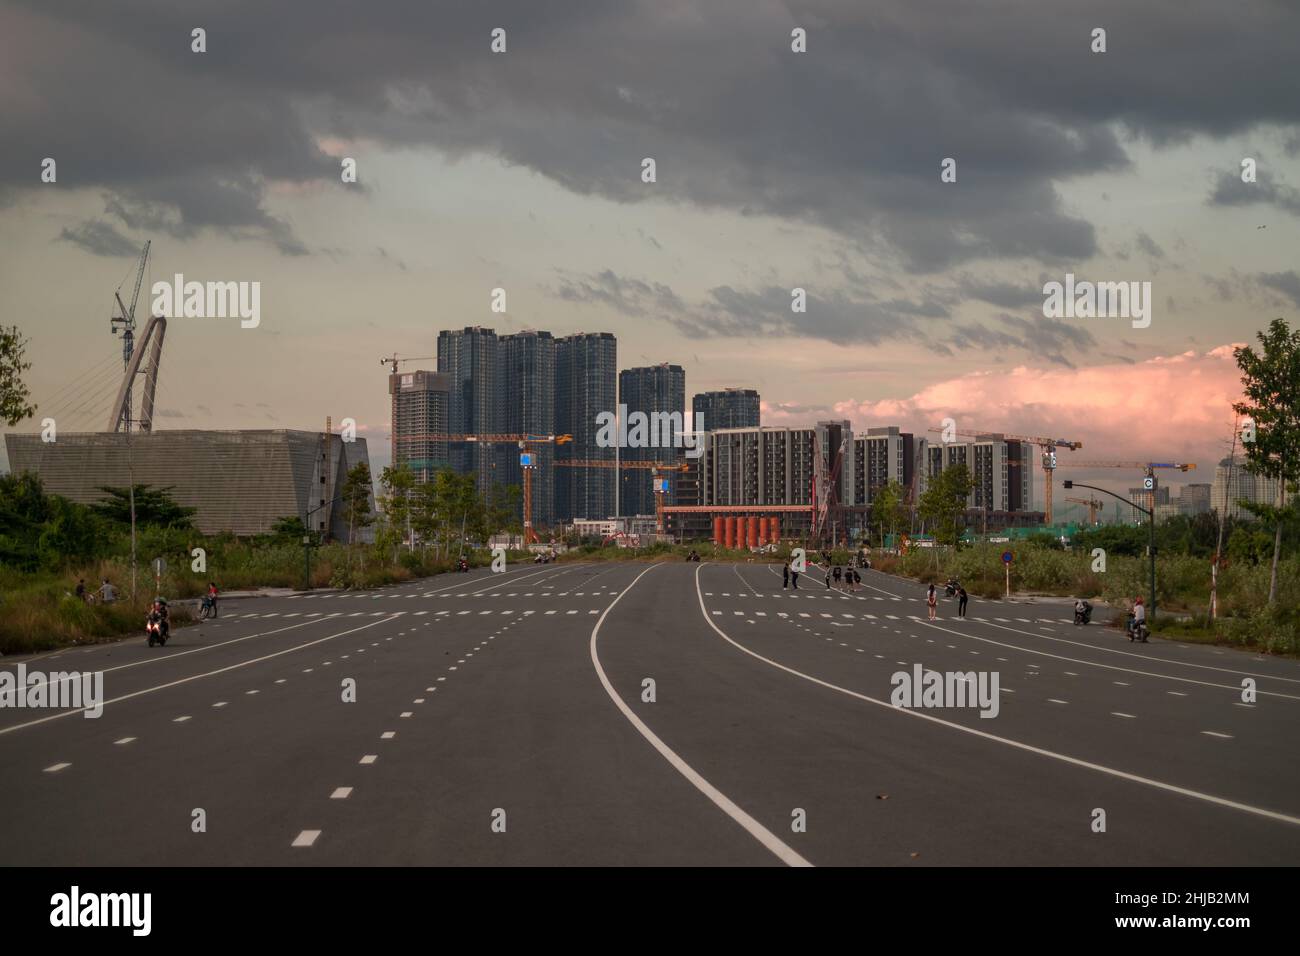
x,y
1146,466
1094,507
654,467
525,443
123,320
1048,447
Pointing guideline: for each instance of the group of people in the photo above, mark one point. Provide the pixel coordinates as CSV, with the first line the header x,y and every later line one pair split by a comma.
x,y
932,600
848,575
107,593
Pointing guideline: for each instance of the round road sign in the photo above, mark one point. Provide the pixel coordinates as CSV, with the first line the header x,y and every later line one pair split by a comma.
x,y
1006,557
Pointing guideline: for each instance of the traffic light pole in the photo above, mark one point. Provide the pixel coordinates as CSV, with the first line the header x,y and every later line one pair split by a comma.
x,y
1151,537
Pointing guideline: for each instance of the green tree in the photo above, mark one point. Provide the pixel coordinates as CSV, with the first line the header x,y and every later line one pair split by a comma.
x,y
398,484
356,499
153,506
889,509
1270,380
943,505
288,530
13,393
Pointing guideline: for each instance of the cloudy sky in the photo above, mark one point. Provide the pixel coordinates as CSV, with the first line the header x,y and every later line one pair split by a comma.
x,y
775,170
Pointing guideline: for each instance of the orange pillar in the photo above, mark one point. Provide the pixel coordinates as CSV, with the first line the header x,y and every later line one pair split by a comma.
x,y
717,530
730,539
740,532
753,531
774,529
762,532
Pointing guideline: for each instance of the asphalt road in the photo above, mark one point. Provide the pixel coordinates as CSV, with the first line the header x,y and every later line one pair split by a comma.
x,y
502,719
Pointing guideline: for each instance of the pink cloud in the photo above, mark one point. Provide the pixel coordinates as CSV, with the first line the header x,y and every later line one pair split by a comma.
x,y
1177,406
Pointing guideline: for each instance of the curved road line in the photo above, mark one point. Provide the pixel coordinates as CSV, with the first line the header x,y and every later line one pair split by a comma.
x,y
1007,741
762,834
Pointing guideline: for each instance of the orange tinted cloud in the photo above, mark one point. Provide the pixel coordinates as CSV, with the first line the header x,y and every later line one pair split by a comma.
x,y
1177,406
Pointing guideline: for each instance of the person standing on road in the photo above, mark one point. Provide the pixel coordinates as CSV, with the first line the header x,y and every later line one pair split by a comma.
x,y
962,597
828,579
212,597
785,576
837,574
931,601
794,580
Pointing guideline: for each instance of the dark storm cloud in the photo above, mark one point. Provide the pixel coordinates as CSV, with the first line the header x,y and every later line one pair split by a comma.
x,y
1229,190
1007,295
832,315
100,238
848,136
1149,246
1288,283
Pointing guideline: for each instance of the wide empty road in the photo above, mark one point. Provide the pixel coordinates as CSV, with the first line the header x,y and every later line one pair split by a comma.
x,y
627,713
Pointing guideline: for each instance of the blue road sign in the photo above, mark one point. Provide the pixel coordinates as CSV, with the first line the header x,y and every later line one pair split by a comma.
x,y
1006,557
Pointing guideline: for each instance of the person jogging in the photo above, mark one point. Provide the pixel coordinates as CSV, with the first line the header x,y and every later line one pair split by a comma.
x,y
931,601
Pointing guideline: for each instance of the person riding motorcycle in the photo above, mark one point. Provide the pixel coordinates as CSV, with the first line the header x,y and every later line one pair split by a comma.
x,y
1082,611
158,615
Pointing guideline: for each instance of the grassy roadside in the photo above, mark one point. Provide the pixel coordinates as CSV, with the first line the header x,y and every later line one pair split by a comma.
x,y
40,612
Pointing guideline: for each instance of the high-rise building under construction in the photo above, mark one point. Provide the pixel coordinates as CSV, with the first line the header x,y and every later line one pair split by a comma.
x,y
420,408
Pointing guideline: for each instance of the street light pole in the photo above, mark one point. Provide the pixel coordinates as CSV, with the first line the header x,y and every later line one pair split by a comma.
x,y
1151,539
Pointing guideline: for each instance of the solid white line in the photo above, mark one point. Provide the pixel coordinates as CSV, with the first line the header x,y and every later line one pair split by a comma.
x,y
751,826
1007,741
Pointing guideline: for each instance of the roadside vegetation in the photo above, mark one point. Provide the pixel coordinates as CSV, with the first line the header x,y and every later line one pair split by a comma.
x,y
48,544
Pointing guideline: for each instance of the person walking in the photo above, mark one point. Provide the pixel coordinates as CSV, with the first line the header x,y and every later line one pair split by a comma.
x,y
828,579
794,580
962,597
212,597
785,576
931,601
837,574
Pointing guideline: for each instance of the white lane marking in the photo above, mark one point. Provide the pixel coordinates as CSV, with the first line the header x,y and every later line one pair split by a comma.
x,y
1053,700
369,758
221,703
1211,733
388,735
193,677
169,657
751,826
306,838
341,793
1006,741
405,713
124,740
180,720
1116,713
1111,667
57,767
